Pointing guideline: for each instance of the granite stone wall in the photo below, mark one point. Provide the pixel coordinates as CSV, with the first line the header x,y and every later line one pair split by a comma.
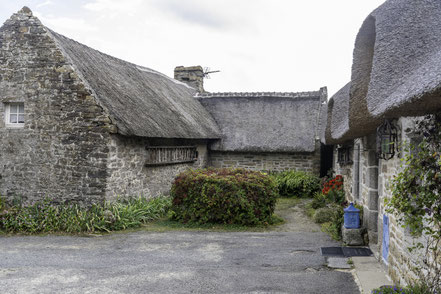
x,y
61,152
309,162
347,172
129,176
376,176
401,263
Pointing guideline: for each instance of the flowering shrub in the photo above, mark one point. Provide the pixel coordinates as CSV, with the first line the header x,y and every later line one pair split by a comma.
x,y
226,196
327,207
335,184
419,288
333,190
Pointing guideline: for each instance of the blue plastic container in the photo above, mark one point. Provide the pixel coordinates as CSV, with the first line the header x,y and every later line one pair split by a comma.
x,y
352,217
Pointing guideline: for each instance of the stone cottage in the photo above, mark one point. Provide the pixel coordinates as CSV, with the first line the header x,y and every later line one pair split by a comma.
x,y
396,76
79,125
267,131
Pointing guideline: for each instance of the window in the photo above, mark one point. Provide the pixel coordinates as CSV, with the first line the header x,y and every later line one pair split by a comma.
x,y
15,115
344,155
167,155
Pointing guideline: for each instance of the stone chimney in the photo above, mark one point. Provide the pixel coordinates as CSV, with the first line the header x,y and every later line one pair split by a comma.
x,y
192,76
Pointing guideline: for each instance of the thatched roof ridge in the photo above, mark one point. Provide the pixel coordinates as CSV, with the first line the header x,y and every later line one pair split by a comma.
x,y
337,126
265,122
397,60
313,94
142,102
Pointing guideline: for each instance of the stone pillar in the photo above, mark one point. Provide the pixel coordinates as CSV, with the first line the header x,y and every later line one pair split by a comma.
x,y
370,209
192,76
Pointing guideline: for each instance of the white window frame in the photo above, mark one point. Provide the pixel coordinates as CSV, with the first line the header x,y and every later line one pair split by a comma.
x,y
8,115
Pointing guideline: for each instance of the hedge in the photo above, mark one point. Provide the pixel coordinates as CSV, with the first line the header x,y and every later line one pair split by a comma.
x,y
226,196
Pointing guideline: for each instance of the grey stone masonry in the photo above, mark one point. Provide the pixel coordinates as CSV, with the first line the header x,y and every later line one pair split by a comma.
x,y
309,162
191,75
55,154
129,176
68,148
369,187
353,237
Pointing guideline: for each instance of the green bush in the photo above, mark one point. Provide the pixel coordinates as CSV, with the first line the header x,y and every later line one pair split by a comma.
x,y
297,184
333,227
44,216
323,215
227,196
319,200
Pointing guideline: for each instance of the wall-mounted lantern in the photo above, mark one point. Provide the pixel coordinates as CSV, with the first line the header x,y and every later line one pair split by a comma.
x,y
387,140
344,155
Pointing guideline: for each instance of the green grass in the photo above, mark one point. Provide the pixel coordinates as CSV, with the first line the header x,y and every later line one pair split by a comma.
x,y
286,203
165,224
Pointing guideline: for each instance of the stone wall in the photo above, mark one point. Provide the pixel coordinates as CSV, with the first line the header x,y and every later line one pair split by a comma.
x,y
309,162
129,176
375,179
400,261
55,154
347,172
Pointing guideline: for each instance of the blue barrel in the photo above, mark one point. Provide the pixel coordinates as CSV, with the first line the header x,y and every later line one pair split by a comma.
x,y
352,217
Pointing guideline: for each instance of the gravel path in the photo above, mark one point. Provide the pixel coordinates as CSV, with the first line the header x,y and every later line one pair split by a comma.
x,y
174,262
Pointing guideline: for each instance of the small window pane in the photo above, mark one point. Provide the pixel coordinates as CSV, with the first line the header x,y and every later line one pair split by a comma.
x,y
13,119
13,108
21,108
21,118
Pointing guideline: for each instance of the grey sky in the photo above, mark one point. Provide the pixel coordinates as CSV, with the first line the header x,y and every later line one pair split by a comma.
x,y
259,45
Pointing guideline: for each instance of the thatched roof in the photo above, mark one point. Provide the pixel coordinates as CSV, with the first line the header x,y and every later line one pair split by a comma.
x,y
338,115
142,102
396,69
265,122
405,77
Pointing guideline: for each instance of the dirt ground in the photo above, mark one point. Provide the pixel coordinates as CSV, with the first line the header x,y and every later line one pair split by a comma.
x,y
296,220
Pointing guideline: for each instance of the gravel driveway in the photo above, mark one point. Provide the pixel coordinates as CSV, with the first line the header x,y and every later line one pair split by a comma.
x,y
171,262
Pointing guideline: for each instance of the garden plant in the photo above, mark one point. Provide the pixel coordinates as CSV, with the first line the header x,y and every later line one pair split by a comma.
x,y
47,217
416,199
226,196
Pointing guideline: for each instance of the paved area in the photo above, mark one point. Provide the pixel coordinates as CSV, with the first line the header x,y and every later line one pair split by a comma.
x,y
171,262
369,273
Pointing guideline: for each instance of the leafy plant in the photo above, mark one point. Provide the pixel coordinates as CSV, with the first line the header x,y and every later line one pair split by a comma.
x,y
333,227
333,189
323,215
416,196
297,184
228,196
326,208
414,289
45,216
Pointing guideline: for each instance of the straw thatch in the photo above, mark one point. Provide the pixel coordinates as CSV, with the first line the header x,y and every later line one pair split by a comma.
x,y
142,102
265,122
397,61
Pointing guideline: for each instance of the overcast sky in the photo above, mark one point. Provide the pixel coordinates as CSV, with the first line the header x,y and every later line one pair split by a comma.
x,y
258,45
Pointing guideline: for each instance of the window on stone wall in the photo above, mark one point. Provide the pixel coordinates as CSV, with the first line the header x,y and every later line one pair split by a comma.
x,y
344,155
15,115
166,155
